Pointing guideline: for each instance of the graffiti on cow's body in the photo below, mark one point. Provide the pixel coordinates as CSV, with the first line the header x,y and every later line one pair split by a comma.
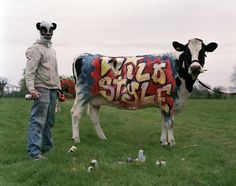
x,y
134,82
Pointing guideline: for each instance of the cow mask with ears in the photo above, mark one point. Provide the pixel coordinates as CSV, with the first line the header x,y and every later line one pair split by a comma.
x,y
46,30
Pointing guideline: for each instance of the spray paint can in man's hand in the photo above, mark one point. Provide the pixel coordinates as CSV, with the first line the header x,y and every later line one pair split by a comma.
x,y
29,97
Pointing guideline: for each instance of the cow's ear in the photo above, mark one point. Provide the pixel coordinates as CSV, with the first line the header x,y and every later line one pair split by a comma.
x,y
54,26
211,47
178,46
38,25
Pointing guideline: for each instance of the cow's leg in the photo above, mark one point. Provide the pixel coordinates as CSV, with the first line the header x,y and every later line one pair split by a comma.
x,y
170,134
94,116
76,113
163,138
167,135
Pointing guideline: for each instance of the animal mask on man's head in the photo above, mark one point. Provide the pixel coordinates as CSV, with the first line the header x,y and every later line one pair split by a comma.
x,y
46,30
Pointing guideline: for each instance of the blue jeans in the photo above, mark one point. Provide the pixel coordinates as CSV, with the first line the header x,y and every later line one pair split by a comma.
x,y
41,121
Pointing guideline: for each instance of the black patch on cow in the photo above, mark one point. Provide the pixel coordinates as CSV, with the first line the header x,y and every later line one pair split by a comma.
x,y
178,81
78,65
189,83
183,72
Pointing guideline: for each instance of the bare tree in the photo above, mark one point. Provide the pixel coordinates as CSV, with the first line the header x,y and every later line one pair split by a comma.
x,y
3,82
22,84
233,77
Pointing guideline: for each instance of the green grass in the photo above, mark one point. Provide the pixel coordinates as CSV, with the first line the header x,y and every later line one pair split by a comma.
x,y
205,134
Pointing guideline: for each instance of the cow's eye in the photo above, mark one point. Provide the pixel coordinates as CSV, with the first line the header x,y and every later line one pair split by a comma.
x,y
202,53
188,55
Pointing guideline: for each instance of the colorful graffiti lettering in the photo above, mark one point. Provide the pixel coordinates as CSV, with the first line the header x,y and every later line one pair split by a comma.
x,y
134,82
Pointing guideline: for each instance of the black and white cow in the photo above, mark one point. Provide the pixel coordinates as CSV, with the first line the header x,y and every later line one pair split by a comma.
x,y
164,81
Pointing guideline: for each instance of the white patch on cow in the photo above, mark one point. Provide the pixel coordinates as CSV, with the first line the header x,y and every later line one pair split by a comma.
x,y
170,136
183,95
163,138
76,113
167,134
194,46
94,116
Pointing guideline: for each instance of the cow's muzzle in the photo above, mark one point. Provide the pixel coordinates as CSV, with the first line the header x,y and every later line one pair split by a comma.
x,y
195,69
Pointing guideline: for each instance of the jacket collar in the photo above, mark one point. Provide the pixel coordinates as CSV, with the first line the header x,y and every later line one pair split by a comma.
x,y
48,44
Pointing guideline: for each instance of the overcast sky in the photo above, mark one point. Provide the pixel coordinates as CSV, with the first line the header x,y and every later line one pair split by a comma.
x,y
119,27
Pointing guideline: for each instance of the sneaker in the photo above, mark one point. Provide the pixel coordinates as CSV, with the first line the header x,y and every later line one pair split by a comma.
x,y
39,157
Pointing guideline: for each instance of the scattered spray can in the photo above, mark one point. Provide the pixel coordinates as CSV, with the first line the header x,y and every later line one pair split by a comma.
x,y
90,169
72,149
93,164
141,156
161,163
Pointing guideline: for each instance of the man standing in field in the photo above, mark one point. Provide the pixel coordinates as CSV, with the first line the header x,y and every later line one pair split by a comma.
x,y
42,81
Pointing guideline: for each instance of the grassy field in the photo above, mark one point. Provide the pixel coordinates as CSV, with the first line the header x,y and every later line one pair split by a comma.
x,y
205,153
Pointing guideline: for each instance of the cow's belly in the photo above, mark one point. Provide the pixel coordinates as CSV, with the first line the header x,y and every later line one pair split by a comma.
x,y
99,100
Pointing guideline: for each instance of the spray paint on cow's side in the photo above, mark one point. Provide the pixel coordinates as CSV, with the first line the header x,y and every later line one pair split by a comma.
x,y
139,82
135,82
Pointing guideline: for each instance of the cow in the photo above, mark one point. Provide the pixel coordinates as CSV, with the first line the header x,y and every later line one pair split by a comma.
x,y
164,80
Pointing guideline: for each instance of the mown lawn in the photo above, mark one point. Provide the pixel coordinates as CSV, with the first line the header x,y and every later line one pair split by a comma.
x,y
205,153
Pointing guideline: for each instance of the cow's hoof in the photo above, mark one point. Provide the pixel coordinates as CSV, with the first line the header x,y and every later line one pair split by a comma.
x,y
172,143
76,140
164,143
104,139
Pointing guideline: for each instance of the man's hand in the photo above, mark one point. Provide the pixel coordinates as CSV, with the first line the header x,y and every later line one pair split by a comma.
x,y
34,94
61,97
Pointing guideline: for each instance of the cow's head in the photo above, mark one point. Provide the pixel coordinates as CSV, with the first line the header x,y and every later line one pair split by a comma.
x,y
46,30
192,60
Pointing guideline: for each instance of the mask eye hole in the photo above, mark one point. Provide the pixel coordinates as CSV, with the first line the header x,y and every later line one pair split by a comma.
x,y
43,31
50,31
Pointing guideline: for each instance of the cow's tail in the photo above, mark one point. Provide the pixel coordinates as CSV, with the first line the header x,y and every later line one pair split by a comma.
x,y
76,67
82,69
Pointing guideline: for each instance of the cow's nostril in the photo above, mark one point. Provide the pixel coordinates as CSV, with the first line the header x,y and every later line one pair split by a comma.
x,y
195,68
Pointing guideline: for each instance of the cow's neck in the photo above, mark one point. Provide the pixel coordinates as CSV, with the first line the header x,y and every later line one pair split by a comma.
x,y
187,78
184,84
182,95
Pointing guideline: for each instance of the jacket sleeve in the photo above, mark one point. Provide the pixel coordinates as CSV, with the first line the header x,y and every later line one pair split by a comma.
x,y
59,82
33,59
